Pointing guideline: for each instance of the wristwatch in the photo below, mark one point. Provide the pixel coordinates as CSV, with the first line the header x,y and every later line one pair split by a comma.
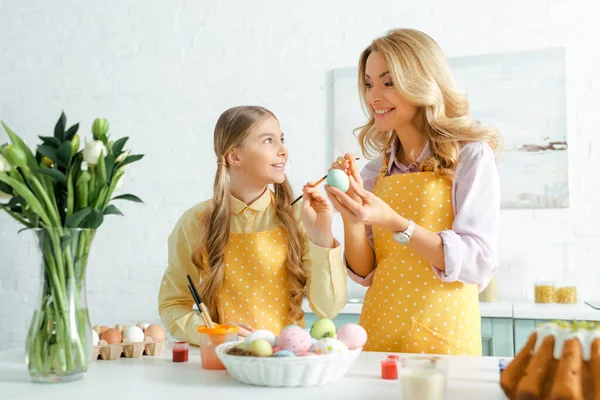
x,y
404,237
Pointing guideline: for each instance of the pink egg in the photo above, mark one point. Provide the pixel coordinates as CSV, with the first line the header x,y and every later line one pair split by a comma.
x,y
352,335
296,340
275,349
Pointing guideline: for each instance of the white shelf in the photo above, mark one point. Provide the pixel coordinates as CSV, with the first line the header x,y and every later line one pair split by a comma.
x,y
555,311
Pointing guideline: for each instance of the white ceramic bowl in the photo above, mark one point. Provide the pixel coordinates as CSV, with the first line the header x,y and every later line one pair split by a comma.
x,y
286,371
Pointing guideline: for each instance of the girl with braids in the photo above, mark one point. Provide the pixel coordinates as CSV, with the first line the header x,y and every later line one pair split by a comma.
x,y
421,220
253,256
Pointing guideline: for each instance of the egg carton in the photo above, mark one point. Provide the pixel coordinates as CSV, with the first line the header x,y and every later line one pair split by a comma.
x,y
127,348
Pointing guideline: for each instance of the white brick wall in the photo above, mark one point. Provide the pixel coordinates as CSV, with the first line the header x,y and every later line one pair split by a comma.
x,y
162,72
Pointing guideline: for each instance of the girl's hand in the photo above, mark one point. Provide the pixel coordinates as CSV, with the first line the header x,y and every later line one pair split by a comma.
x,y
367,210
317,214
244,329
348,165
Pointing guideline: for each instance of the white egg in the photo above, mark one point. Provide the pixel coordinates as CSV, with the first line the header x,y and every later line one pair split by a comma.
x,y
330,346
261,334
134,334
95,338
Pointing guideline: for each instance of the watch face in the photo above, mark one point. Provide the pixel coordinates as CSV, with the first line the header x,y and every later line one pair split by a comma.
x,y
401,237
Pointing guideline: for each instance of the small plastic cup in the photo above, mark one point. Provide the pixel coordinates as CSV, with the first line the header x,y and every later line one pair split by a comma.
x,y
389,367
210,338
423,378
181,351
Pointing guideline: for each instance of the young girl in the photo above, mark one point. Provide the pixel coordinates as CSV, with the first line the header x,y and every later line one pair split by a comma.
x,y
421,220
253,255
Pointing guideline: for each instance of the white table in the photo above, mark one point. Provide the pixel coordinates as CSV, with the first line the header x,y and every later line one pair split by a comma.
x,y
159,378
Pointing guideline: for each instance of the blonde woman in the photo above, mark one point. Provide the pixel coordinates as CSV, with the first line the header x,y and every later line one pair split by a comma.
x,y
421,219
253,255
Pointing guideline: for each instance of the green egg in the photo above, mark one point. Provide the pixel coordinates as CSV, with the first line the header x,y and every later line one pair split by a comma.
x,y
260,348
338,179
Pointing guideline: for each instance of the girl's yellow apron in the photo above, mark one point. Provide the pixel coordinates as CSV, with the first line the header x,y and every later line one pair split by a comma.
x,y
255,287
407,308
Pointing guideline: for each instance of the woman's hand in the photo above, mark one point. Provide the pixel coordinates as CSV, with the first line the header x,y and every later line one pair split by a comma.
x,y
366,209
348,165
317,214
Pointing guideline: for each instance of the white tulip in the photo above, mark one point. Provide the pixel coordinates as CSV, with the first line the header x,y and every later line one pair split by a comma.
x,y
93,151
5,196
4,164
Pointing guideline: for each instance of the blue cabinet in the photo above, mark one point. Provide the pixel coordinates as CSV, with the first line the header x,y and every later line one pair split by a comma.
x,y
496,333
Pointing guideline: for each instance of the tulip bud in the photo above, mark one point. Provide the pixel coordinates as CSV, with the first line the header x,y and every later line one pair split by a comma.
x,y
4,164
119,184
100,128
75,144
15,156
92,152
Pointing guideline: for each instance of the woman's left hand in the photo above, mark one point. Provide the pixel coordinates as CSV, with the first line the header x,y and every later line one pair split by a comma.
x,y
317,215
369,210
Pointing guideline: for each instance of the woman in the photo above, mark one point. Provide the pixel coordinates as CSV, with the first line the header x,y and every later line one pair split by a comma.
x,y
421,220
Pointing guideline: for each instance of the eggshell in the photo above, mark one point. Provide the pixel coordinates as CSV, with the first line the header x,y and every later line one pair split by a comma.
x,y
330,346
338,179
111,336
353,335
134,334
156,332
294,339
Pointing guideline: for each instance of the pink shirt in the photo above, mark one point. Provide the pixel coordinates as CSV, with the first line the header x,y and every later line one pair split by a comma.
x,y
470,248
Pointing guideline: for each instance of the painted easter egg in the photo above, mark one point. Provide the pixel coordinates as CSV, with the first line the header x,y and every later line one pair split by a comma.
x,y
296,340
338,179
353,336
330,346
284,353
260,348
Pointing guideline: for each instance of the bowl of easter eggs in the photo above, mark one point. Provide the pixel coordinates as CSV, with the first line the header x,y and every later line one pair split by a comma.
x,y
297,357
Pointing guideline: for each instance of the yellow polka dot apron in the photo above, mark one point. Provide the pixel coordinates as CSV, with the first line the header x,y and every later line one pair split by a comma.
x,y
407,308
255,288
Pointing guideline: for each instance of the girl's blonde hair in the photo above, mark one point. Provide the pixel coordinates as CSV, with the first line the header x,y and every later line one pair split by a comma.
x,y
232,128
421,75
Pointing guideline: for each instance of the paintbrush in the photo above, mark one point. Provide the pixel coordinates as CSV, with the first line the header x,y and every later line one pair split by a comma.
x,y
317,183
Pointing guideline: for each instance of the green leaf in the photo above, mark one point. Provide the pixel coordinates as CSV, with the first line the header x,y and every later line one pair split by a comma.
x,y
111,209
52,173
109,161
130,160
4,188
93,220
74,221
129,197
65,241
32,201
49,152
50,141
15,201
16,140
71,132
118,145
64,154
59,128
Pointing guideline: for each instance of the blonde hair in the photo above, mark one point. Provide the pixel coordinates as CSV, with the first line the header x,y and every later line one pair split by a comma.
x,y
421,75
232,128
